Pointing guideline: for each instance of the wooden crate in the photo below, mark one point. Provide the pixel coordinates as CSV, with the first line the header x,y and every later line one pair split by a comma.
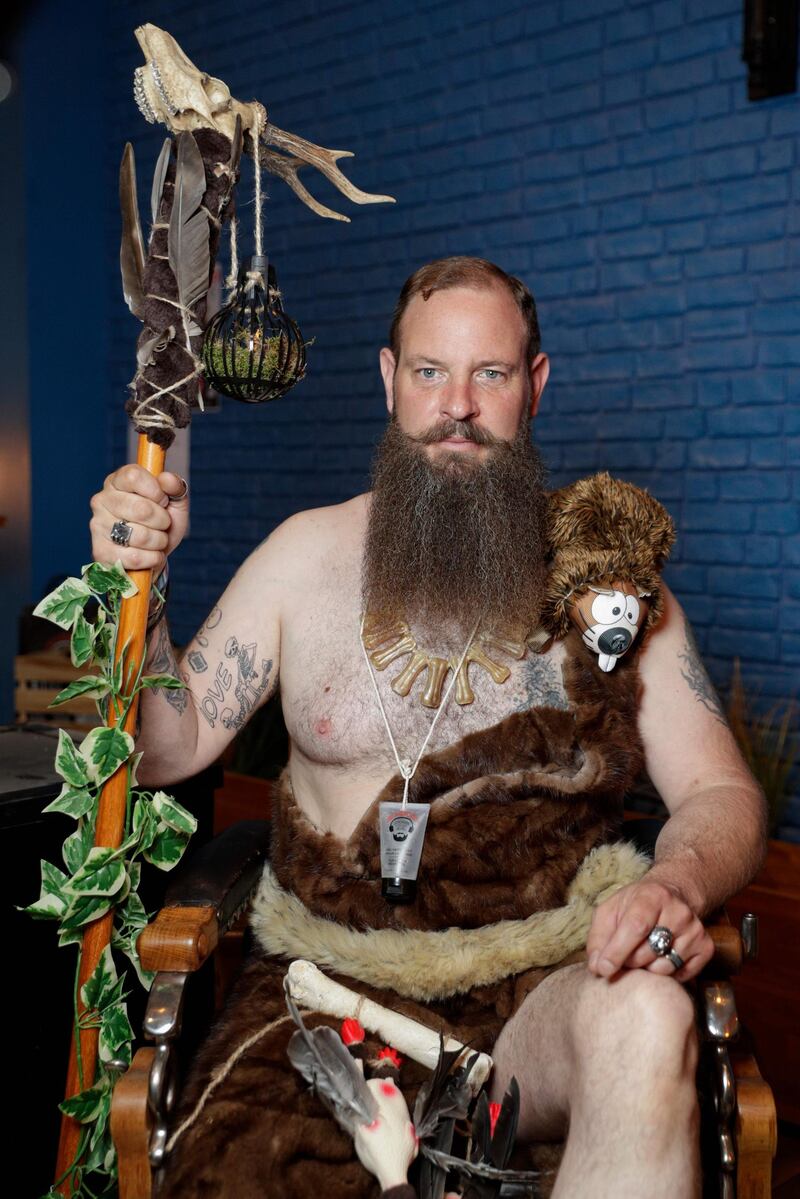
x,y
38,678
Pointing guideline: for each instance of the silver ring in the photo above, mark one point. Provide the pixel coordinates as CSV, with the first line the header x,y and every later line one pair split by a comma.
x,y
173,499
660,940
121,532
675,958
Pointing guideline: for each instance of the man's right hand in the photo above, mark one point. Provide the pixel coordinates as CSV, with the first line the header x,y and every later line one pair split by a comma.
x,y
142,500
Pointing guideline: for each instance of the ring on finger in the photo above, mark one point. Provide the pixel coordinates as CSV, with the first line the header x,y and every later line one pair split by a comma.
x,y
173,499
676,959
121,532
660,940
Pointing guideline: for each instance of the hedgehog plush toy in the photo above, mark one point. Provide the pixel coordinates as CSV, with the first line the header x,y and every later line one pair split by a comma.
x,y
607,542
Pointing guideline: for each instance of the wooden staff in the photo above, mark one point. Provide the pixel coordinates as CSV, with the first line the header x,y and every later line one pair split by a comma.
x,y
108,832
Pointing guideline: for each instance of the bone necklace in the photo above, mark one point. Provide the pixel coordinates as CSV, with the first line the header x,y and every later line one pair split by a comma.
x,y
404,765
386,639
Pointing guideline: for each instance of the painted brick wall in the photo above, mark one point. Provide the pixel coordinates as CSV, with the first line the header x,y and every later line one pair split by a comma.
x,y
604,150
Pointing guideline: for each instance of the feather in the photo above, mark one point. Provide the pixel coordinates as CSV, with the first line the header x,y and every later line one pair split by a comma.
x,y
158,178
323,1060
236,147
505,1130
187,240
446,1095
131,246
441,1101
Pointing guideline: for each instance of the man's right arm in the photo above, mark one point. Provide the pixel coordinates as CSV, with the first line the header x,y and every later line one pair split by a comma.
x,y
229,668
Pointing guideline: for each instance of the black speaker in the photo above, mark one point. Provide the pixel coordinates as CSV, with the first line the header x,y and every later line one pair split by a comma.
x,y
769,47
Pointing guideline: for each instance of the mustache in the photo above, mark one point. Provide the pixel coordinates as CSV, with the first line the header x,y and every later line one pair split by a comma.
x,y
457,428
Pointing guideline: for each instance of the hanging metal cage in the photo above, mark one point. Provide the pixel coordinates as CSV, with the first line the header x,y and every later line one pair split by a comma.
x,y
253,351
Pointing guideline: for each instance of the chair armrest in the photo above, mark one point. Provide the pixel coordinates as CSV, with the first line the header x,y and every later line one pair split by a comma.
x,y
204,898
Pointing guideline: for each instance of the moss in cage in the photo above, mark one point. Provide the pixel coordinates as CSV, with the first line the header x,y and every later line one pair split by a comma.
x,y
223,363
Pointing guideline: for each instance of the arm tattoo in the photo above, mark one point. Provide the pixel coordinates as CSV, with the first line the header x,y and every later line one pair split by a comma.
x,y
162,661
697,677
249,687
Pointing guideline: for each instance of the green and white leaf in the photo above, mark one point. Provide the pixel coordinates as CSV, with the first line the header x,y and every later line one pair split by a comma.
x,y
104,640
81,641
72,801
167,847
69,764
133,766
91,684
82,909
102,578
103,873
77,845
115,1033
166,681
88,1104
144,823
173,814
101,983
126,943
52,901
62,605
104,750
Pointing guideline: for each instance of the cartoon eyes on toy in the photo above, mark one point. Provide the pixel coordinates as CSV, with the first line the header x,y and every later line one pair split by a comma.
x,y
632,609
607,609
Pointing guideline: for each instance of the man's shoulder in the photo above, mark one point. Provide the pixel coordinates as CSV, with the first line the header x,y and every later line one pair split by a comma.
x,y
308,536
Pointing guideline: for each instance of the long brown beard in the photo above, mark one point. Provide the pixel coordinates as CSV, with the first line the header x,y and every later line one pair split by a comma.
x,y
455,541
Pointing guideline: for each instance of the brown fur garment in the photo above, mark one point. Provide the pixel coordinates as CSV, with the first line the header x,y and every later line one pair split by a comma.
x,y
514,810
601,529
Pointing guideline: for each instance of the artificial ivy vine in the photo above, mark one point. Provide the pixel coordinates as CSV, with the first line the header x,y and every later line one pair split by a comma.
x,y
97,878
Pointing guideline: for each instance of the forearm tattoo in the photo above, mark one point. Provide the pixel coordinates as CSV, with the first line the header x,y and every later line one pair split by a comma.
x,y
162,661
696,676
238,684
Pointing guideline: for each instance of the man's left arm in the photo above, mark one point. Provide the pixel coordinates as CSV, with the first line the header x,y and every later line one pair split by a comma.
x,y
715,839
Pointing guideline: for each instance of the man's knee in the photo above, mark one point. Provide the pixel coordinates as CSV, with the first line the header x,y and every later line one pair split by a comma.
x,y
638,1019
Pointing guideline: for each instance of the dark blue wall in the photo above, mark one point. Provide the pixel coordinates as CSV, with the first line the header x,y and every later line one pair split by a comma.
x,y
62,78
603,149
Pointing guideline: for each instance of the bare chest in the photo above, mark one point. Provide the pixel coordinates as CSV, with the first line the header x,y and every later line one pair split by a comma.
x,y
330,706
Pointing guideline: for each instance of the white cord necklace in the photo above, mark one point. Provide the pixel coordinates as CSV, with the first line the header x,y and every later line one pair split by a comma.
x,y
404,764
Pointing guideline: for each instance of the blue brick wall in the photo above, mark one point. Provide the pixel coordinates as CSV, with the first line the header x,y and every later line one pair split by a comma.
x,y
605,151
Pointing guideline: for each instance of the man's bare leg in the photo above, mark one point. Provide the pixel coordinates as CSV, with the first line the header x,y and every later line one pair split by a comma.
x,y
612,1066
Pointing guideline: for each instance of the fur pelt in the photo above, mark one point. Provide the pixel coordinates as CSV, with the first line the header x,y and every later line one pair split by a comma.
x,y
601,530
514,810
434,964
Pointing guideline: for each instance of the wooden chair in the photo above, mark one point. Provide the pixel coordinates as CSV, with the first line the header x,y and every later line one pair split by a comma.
x,y
204,904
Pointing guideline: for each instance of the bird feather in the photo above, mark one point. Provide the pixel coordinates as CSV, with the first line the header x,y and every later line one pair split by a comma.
x,y
187,241
505,1130
131,246
323,1060
158,178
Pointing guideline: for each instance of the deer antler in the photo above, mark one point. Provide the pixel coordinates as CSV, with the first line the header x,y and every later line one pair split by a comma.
x,y
304,153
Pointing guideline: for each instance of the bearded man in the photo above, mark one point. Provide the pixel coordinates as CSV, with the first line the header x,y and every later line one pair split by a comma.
x,y
456,571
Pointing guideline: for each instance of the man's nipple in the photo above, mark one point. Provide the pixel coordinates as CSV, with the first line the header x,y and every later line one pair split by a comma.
x,y
323,728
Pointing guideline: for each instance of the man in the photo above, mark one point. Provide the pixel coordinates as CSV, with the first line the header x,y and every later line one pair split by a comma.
x,y
452,541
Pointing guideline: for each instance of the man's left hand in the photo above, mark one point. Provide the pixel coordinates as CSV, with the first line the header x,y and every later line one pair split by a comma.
x,y
620,928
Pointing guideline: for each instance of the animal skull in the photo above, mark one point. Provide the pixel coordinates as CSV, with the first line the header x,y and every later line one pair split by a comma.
x,y
171,89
